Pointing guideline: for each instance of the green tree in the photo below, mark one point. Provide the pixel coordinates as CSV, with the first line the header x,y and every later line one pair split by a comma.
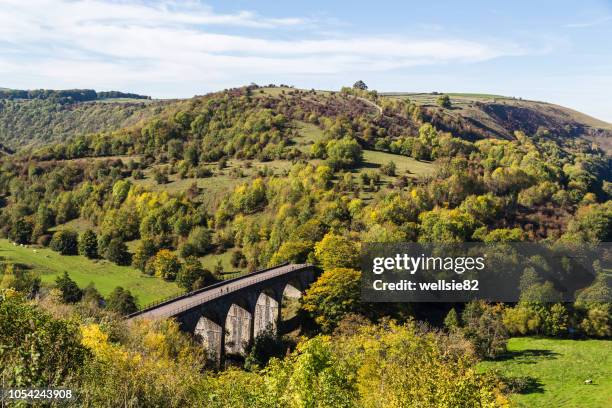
x,y
88,244
451,321
166,265
337,251
145,249
345,153
121,301
21,231
71,293
117,252
334,295
192,275
65,242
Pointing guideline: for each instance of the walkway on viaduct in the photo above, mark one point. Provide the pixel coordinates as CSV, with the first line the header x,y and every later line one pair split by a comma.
x,y
228,315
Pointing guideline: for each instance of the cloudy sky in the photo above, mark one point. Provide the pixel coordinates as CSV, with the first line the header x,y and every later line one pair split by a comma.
x,y
557,51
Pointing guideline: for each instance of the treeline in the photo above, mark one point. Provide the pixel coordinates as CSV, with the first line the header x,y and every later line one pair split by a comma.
x,y
66,95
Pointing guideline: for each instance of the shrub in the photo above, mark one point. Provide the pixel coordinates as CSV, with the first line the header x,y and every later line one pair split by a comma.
x,y
444,101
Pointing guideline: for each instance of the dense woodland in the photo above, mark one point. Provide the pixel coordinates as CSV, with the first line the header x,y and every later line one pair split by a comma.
x,y
536,187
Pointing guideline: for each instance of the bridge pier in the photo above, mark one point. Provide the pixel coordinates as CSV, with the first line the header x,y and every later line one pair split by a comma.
x,y
212,337
267,314
237,330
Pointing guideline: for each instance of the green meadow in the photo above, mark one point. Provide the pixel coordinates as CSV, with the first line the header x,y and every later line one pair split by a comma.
x,y
104,274
555,372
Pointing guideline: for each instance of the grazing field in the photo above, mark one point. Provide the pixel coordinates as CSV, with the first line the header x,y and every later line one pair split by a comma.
x,y
556,371
104,274
79,225
405,165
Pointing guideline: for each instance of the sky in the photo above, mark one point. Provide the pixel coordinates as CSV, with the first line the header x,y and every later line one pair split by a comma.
x,y
555,51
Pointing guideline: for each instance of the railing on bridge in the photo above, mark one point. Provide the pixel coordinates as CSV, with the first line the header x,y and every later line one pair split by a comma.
x,y
171,299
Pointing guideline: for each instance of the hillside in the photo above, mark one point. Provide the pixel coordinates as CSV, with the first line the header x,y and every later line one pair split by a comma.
x,y
36,117
484,116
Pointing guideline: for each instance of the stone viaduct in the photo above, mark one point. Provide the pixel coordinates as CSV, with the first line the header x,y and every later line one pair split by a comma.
x,y
227,316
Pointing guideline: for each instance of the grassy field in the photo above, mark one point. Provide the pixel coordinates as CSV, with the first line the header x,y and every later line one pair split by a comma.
x,y
405,165
557,370
79,225
105,275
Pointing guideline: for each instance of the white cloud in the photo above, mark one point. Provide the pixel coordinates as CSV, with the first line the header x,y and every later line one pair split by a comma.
x,y
592,23
111,44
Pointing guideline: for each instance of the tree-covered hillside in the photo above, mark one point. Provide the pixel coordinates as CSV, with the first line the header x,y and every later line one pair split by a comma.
x,y
41,116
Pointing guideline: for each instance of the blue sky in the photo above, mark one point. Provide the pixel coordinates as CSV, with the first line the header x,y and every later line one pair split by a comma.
x,y
556,51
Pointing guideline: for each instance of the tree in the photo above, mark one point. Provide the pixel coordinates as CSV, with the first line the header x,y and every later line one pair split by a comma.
x,y
199,240
451,321
71,293
344,153
144,251
360,85
166,265
192,275
91,295
484,328
37,350
65,242
388,169
117,252
337,251
21,231
121,301
334,295
444,101
88,244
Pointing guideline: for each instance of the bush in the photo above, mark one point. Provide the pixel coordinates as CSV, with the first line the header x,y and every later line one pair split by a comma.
x,y
444,101
65,242
388,169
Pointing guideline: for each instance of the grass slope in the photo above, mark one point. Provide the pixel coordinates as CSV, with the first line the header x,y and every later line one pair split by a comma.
x,y
559,368
404,164
105,275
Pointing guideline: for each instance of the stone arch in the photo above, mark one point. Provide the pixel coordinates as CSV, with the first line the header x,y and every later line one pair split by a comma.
x,y
266,312
293,289
238,323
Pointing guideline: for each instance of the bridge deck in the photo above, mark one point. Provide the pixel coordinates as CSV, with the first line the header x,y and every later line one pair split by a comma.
x,y
173,308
